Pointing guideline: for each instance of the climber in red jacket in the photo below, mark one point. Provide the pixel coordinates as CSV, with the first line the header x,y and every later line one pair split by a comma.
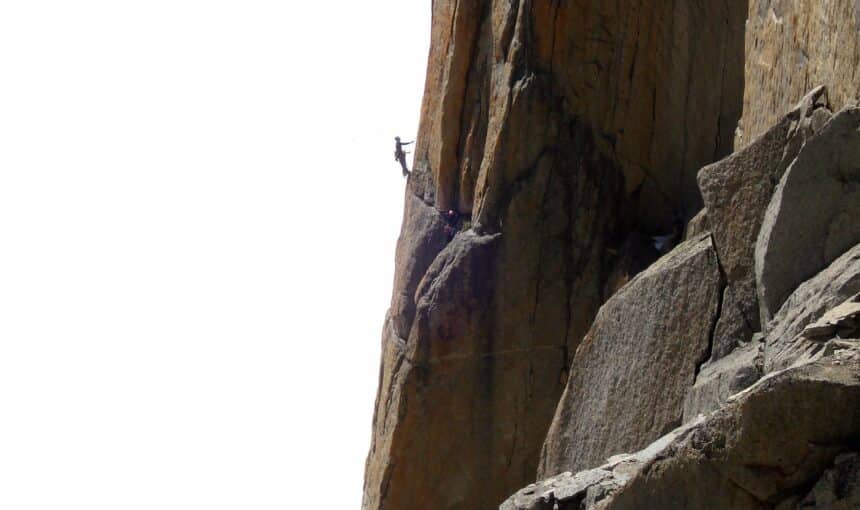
x,y
400,154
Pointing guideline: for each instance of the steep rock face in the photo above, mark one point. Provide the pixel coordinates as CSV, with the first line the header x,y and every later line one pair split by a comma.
x,y
659,83
792,46
554,129
765,444
656,329
765,447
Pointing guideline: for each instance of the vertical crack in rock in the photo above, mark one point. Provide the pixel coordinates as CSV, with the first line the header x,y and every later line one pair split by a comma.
x,y
712,330
533,125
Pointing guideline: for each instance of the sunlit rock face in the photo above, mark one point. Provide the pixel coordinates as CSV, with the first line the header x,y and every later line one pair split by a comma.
x,y
793,46
565,135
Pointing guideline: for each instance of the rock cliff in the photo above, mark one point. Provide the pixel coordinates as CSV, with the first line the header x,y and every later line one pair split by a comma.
x,y
556,317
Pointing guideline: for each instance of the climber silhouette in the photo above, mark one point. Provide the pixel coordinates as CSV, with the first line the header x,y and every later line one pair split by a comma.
x,y
400,155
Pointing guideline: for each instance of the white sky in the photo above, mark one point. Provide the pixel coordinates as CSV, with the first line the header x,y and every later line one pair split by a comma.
x,y
198,214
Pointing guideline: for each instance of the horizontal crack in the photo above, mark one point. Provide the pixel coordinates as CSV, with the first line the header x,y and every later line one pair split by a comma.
x,y
476,356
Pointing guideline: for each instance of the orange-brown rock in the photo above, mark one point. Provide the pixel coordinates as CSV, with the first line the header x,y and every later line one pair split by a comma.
x,y
556,130
793,46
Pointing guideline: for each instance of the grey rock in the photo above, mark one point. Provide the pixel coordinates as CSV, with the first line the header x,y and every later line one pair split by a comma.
x,y
632,370
843,321
812,217
587,489
838,488
732,328
697,225
775,439
737,191
719,380
415,253
785,344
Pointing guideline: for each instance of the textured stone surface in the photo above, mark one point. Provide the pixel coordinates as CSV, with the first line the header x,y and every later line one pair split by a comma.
x,y
567,134
549,172
842,321
586,489
792,46
631,372
813,213
660,84
732,327
736,191
838,488
719,380
767,444
697,225
836,284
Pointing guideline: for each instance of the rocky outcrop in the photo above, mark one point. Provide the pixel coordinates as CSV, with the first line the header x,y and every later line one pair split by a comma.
x,y
736,192
843,321
791,47
565,138
813,332
814,212
656,329
756,445
550,174
587,489
785,341
763,450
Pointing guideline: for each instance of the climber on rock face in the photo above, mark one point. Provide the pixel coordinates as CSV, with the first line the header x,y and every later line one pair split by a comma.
x,y
452,219
400,154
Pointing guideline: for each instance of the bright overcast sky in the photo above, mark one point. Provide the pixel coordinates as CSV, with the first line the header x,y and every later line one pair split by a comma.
x,y
198,213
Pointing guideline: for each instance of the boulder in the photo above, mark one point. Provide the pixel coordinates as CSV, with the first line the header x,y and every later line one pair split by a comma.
x,y
812,218
785,343
767,444
584,490
842,321
630,374
736,191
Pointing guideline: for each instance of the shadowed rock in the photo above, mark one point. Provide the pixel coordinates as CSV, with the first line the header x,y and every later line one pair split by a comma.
x,y
838,488
519,133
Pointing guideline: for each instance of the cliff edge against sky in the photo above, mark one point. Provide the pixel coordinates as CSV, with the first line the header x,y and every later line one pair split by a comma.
x,y
552,332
